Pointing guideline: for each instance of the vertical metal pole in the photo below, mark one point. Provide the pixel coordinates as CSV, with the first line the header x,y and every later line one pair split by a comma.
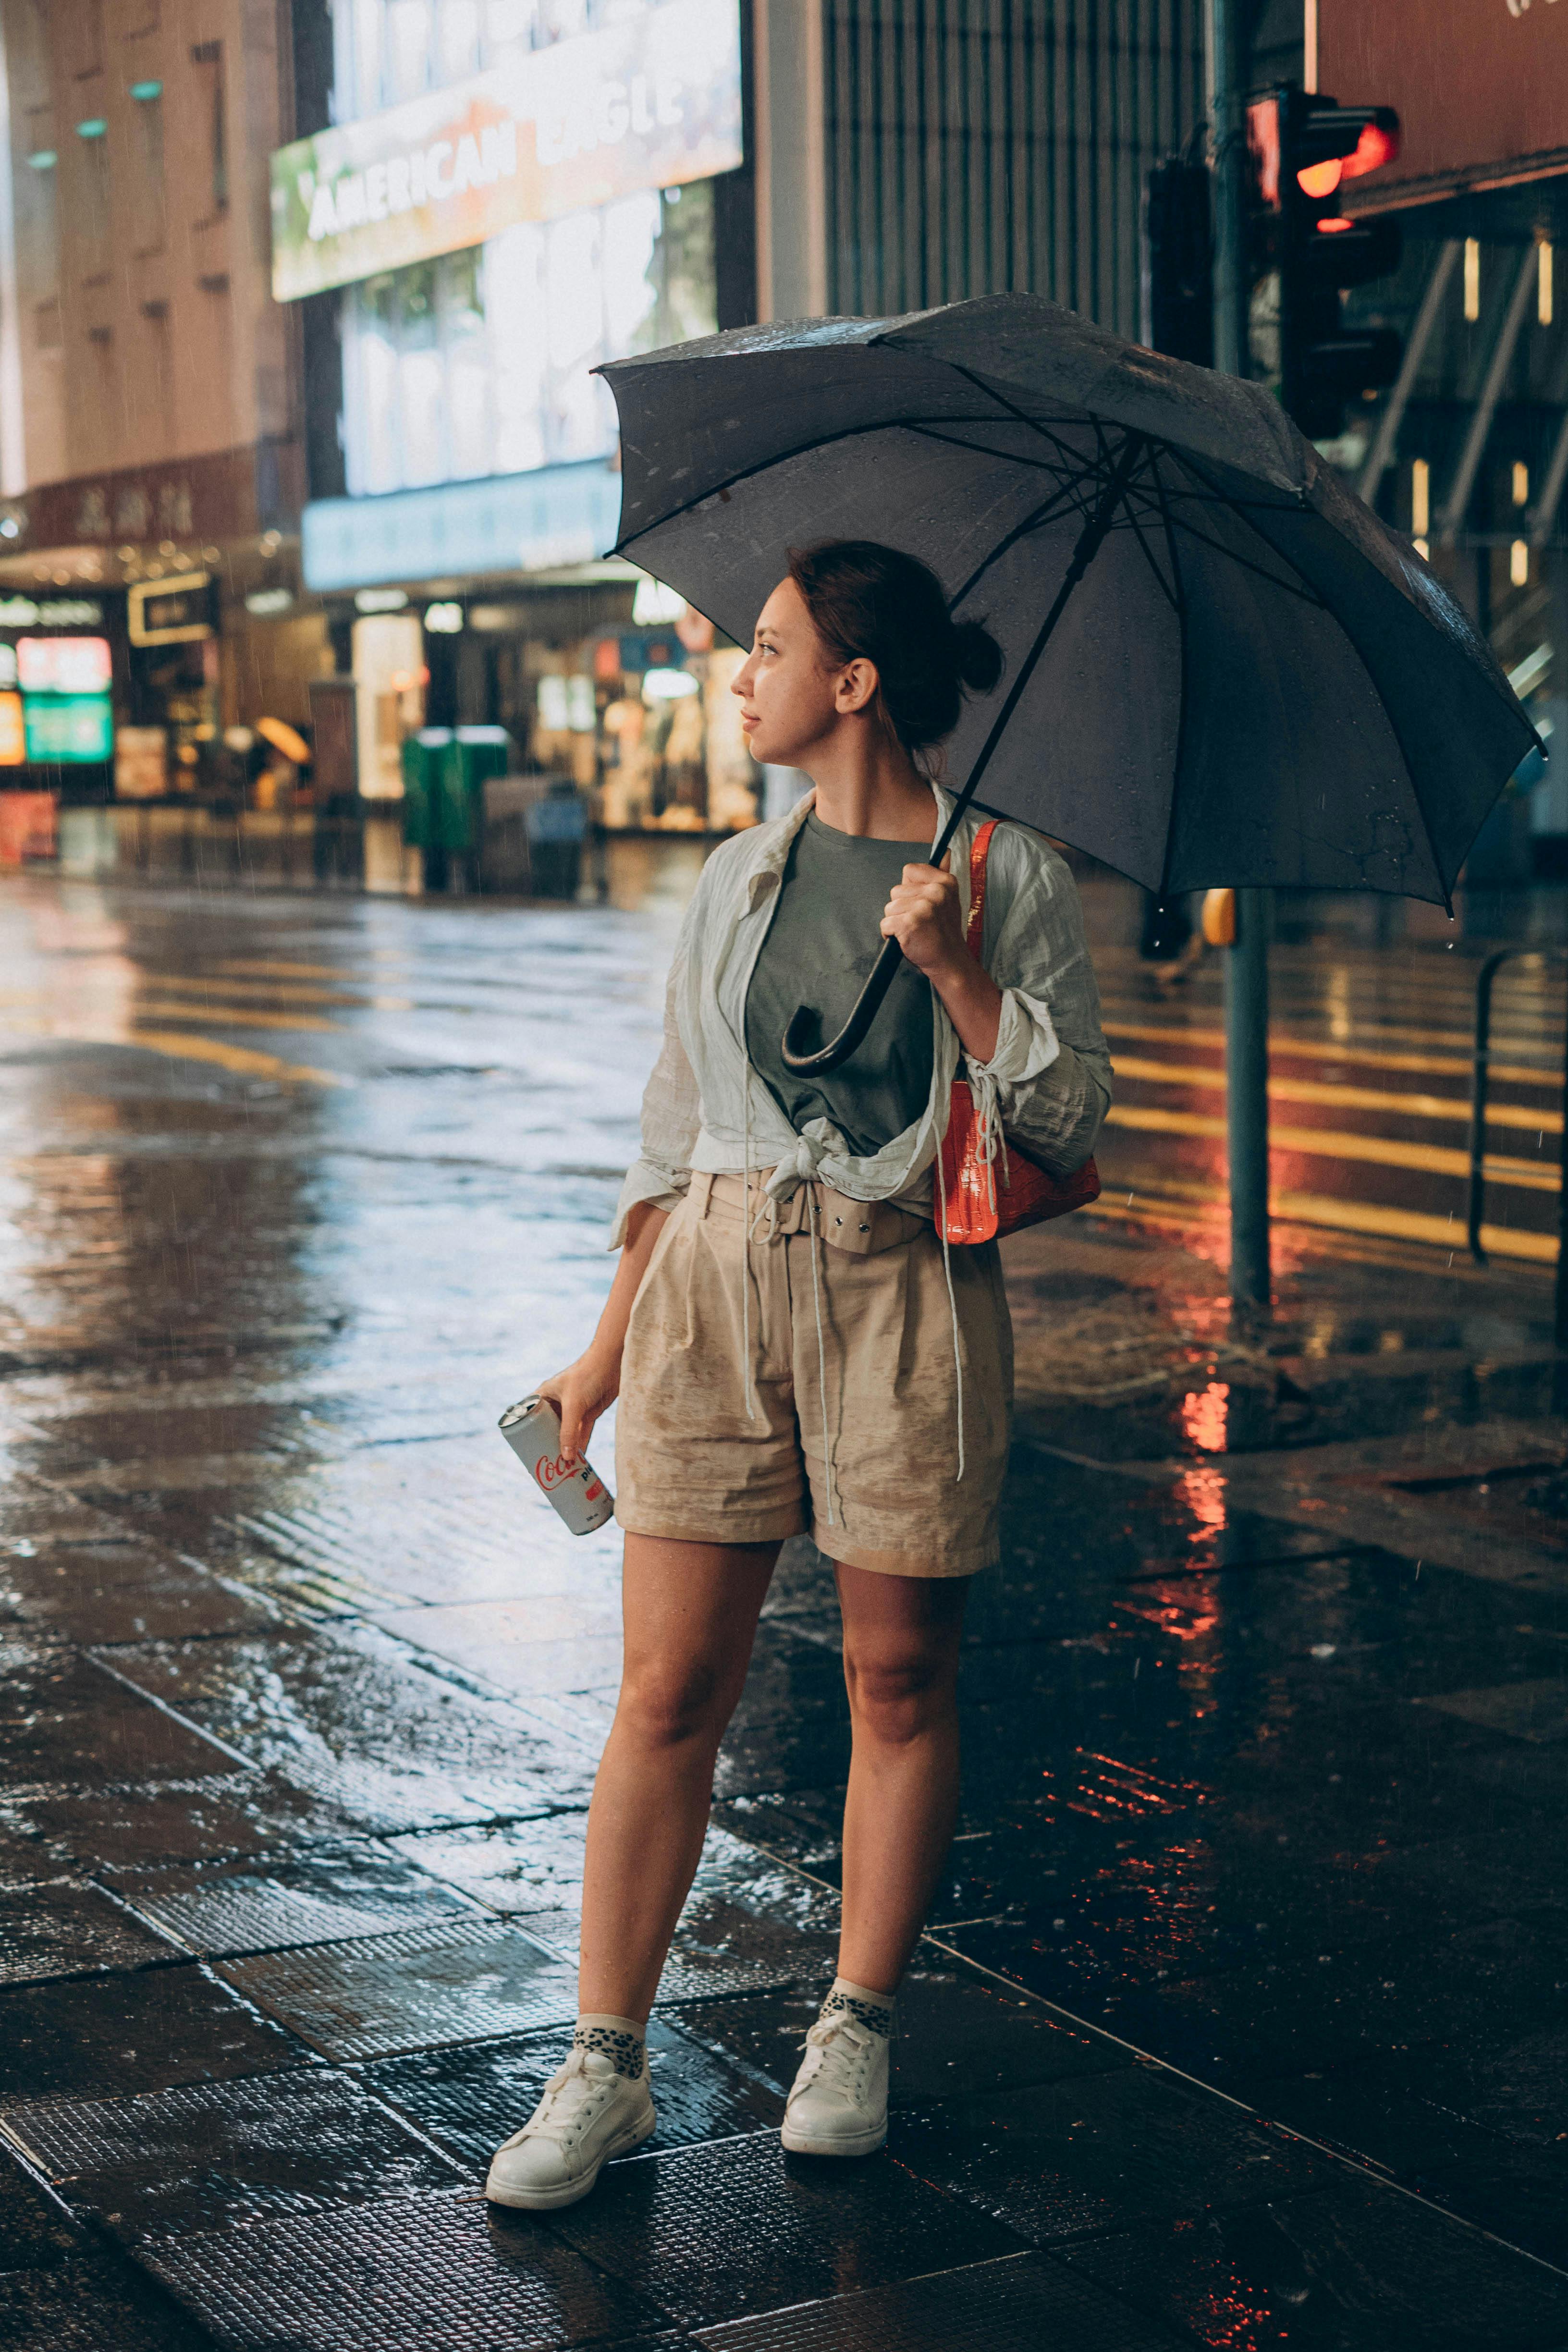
x,y
1246,963
1562,1294
1247,1078
1228,135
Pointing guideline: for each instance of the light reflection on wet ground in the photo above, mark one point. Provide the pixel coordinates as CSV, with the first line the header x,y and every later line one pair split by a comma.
x,y
1266,1714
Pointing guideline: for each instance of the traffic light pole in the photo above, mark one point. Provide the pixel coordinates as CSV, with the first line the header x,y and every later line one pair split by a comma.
x,y
1246,962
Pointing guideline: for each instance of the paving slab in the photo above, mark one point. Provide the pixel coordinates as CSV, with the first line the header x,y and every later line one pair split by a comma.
x,y
360,1727
438,2271
737,2226
327,1896
1350,2268
1017,2303
232,1813
67,1928
377,1994
90,2036
93,2304
33,2233
1072,2159
225,2155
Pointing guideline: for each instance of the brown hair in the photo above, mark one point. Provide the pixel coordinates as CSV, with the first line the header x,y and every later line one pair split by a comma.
x,y
873,604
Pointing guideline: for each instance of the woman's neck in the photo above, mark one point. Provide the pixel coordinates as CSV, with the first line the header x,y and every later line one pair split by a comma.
x,y
871,788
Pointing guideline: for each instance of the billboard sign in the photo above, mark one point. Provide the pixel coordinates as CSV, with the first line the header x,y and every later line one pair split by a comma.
x,y
70,728
1481,92
647,103
64,665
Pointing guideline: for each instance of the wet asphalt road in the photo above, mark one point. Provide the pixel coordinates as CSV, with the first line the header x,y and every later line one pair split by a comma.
x,y
1241,2018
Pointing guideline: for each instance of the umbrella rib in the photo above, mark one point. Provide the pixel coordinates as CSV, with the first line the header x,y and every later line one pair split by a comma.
x,y
1298,588
781,457
1137,528
1047,511
979,448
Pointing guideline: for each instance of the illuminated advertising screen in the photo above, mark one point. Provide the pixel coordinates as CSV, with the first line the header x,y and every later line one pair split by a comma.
x,y
70,729
13,735
63,664
649,103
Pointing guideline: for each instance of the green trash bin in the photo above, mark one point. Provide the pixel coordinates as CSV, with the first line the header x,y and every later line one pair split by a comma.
x,y
472,755
422,791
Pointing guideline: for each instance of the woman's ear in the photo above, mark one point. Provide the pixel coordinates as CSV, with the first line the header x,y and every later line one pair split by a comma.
x,y
857,686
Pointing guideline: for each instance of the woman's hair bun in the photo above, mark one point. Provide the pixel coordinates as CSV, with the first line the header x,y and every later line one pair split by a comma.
x,y
979,657
879,605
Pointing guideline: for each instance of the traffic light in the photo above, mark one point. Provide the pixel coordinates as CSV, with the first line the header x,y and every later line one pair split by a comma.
x,y
1304,148
1178,262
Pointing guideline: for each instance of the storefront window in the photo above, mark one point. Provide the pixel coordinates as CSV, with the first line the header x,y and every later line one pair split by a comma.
x,y
482,363
389,50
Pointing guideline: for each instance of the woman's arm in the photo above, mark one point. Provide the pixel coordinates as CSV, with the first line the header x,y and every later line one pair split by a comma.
x,y
589,1386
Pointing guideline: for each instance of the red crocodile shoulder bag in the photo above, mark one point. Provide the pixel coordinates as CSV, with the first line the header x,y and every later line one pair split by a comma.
x,y
979,1198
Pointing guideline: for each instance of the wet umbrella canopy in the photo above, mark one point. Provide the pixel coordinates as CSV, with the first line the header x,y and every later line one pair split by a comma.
x,y
1250,681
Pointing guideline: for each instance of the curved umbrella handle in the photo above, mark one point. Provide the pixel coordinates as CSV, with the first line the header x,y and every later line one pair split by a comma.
x,y
862,1013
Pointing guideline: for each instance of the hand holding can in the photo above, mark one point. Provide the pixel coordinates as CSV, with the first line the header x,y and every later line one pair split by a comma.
x,y
578,1493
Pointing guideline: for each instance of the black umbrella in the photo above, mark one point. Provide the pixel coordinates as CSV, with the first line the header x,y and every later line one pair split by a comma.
x,y
1221,667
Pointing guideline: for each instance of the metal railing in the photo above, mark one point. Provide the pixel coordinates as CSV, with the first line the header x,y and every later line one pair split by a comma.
x,y
1479,1081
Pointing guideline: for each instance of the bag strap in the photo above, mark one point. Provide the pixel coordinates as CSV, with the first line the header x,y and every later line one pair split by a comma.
x,y
979,851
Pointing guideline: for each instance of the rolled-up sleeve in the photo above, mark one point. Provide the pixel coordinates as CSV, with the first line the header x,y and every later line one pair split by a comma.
x,y
1051,1068
671,1116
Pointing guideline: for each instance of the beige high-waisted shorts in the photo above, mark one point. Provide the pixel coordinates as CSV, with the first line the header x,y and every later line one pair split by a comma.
x,y
853,1432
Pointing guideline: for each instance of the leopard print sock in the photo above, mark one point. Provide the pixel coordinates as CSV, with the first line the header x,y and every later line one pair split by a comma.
x,y
872,2010
618,2039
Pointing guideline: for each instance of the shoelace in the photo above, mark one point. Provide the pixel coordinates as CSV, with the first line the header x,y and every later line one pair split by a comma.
x,y
572,2099
843,2052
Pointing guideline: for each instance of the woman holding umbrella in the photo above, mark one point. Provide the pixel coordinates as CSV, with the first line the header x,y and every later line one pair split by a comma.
x,y
795,1347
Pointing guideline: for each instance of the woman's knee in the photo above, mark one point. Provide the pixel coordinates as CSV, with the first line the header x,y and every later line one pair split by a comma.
x,y
901,1690
674,1703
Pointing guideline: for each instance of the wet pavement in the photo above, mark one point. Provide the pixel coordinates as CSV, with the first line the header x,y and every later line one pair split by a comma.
x,y
1240,2021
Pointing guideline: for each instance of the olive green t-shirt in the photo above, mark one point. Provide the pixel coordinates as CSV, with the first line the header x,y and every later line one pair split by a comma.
x,y
821,945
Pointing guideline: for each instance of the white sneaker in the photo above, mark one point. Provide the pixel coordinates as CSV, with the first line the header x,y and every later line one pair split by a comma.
x,y
588,2114
838,2105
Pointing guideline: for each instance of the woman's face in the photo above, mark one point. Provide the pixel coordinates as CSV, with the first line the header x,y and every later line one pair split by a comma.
x,y
792,698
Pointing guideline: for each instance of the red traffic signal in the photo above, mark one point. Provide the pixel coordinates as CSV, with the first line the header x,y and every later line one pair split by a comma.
x,y
1305,147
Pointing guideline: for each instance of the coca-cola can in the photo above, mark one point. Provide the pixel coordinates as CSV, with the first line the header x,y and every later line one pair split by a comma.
x,y
533,1430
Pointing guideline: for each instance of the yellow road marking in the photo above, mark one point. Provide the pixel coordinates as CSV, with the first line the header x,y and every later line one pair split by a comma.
x,y
1372,1027
1319,1091
1330,1214
243,1060
285,992
1326,1143
269,970
1316,1049
233,1016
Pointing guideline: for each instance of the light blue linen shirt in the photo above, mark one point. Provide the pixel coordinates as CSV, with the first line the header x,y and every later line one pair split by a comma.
x,y
706,1108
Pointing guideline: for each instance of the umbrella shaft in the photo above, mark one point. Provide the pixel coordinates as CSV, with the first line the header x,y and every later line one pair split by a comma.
x,y
864,1008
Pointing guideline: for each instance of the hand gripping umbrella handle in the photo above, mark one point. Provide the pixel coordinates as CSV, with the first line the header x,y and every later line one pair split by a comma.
x,y
867,1005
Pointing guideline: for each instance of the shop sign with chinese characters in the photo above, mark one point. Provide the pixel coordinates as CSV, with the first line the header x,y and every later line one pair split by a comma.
x,y
649,103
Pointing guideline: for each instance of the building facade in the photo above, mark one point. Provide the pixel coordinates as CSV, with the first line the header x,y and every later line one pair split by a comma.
x,y
151,464
300,302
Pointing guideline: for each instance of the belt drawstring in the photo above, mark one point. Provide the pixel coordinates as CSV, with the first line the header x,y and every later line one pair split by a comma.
x,y
748,1384
815,1207
952,1303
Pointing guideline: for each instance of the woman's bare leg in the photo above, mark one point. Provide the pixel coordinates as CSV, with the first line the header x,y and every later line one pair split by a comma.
x,y
901,1637
690,1614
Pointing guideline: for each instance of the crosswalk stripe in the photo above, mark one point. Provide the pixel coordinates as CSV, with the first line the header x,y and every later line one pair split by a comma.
x,y
1326,1143
1452,1107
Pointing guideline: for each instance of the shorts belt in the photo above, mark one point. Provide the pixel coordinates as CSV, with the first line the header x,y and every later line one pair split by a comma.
x,y
865,1228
